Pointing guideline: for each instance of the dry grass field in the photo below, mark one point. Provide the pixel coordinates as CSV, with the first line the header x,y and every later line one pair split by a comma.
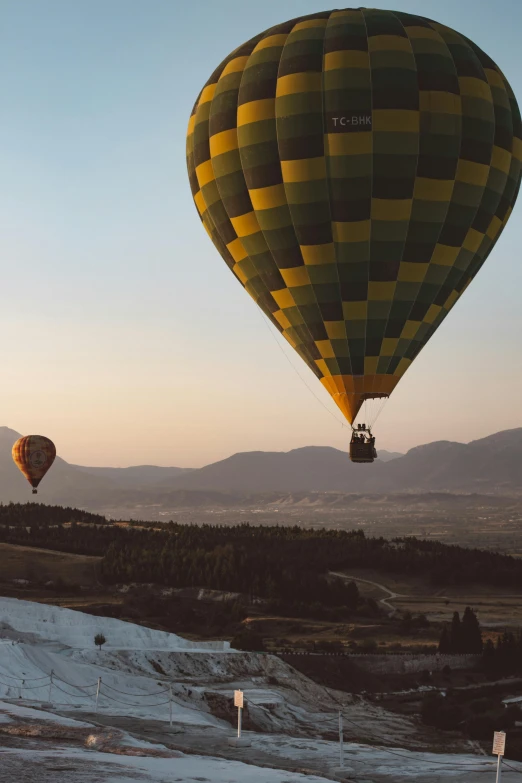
x,y
495,607
496,610
22,562
78,574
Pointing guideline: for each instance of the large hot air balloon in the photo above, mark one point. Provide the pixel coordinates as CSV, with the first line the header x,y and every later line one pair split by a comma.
x,y
34,455
355,169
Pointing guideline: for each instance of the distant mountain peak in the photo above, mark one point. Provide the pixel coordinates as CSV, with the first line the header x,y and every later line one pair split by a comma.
x,y
436,446
492,464
6,433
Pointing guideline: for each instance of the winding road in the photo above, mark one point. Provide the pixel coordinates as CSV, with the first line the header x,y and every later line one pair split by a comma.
x,y
384,601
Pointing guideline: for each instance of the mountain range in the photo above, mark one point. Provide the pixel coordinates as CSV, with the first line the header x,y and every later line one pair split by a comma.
x,y
489,465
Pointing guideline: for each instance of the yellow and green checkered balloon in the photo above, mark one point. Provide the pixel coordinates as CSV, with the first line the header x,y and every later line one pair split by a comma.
x,y
354,169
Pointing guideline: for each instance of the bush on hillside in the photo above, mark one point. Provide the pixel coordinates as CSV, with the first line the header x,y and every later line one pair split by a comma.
x,y
247,640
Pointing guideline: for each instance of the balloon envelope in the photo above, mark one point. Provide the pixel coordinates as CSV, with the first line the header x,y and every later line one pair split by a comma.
x,y
355,169
34,455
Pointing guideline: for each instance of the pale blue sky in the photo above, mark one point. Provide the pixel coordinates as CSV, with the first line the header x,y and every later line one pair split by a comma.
x,y
123,335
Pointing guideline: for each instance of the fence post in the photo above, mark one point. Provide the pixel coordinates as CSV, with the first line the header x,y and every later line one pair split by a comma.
x,y
51,686
20,687
341,748
97,693
170,705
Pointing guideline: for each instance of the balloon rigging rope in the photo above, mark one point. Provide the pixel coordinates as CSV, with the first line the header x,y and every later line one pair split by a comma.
x,y
294,368
384,401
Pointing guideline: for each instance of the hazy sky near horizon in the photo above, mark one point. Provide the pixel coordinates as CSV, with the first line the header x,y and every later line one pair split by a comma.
x,y
123,336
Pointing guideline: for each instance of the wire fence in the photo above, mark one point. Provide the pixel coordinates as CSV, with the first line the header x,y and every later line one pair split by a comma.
x,y
481,767
101,690
91,691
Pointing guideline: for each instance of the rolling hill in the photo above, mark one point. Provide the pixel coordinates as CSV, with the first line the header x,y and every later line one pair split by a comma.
x,y
492,464
137,475
488,465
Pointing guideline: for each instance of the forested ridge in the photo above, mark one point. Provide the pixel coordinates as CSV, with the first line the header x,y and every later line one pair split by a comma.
x,y
28,514
268,561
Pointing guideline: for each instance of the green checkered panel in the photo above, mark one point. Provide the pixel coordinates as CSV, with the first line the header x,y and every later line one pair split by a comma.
x,y
354,169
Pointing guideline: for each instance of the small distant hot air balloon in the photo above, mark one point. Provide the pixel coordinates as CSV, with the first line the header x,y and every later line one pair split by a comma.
x,y
34,455
354,169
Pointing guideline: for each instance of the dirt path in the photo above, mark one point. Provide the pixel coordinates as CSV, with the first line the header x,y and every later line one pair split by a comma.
x,y
390,595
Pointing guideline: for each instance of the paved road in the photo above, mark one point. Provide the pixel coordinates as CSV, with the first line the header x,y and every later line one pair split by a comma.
x,y
384,601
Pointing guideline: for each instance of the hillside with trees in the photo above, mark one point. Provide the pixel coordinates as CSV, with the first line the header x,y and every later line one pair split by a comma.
x,y
274,562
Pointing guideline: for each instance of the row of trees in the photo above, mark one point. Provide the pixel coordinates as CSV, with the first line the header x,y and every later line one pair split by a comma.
x,y
29,514
462,636
286,565
274,573
504,657
80,539
151,553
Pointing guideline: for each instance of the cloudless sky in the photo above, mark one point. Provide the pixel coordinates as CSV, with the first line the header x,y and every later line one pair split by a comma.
x,y
123,335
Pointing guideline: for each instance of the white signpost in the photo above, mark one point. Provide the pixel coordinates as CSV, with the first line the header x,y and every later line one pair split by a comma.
x,y
239,741
238,702
499,748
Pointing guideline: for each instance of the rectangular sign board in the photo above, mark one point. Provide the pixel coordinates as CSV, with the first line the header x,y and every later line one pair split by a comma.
x,y
238,698
499,743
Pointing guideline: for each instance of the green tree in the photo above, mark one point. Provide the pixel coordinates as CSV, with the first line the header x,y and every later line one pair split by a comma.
x,y
440,711
489,658
406,622
455,634
471,635
247,640
445,641
352,595
99,639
